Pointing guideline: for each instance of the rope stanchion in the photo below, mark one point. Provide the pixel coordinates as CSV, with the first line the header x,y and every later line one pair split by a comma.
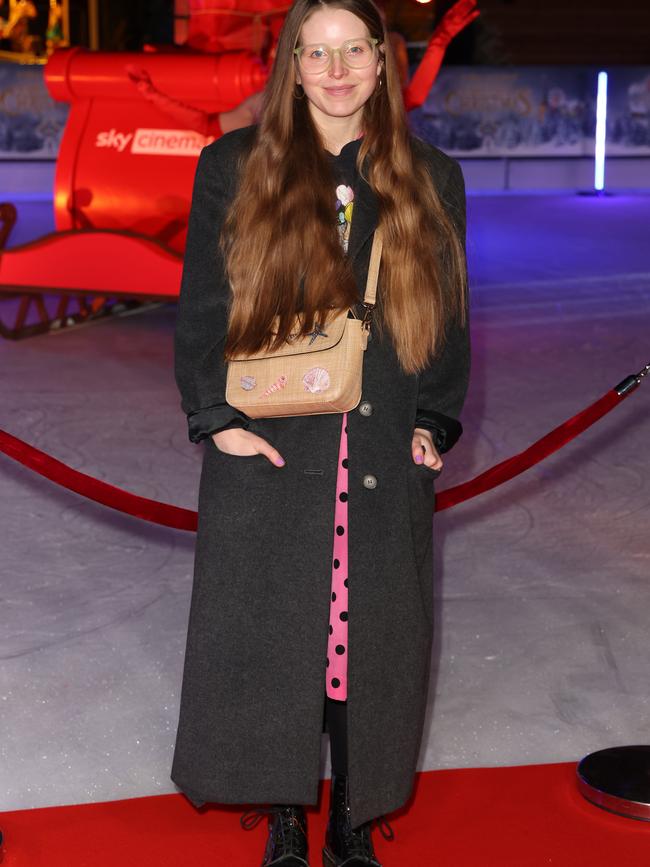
x,y
186,519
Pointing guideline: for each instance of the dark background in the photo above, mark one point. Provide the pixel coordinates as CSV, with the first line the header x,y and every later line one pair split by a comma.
x,y
538,31
509,31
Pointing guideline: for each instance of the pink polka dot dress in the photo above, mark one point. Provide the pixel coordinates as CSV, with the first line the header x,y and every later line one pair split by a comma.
x,y
337,643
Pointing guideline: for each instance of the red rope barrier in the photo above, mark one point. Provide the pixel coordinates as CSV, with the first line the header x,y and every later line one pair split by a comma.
x,y
95,489
506,470
542,448
186,519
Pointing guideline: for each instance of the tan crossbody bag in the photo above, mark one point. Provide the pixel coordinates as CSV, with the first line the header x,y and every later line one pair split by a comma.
x,y
318,373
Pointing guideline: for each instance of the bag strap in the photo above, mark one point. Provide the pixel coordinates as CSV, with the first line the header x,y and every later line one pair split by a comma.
x,y
373,269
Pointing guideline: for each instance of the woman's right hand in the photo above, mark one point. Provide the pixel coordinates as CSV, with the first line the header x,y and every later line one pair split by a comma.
x,y
237,441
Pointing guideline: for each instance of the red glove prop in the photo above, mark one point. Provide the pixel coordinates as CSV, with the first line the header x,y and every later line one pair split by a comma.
x,y
455,20
201,121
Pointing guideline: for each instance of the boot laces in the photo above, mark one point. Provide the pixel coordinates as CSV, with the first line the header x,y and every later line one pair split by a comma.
x,y
289,833
384,828
358,842
253,817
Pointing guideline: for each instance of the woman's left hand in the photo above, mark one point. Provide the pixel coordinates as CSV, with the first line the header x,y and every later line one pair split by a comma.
x,y
424,451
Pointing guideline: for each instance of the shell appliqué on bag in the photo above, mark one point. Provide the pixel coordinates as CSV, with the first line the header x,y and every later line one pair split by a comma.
x,y
316,379
279,383
248,383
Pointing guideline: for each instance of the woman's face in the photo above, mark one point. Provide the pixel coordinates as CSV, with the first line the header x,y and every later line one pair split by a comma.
x,y
338,91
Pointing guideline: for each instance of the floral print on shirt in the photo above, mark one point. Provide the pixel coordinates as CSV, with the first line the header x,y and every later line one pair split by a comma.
x,y
344,205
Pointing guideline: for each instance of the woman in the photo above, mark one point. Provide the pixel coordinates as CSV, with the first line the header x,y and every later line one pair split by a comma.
x,y
272,649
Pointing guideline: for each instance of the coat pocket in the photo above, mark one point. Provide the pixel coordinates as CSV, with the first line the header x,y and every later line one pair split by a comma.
x,y
236,470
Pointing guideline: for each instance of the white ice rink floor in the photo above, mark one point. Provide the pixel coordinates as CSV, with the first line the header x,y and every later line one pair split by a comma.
x,y
543,585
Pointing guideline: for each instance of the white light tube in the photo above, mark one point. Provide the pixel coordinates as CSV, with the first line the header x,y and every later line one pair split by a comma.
x,y
601,132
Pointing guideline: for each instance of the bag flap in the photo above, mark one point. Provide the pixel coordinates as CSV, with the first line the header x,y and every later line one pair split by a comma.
x,y
318,339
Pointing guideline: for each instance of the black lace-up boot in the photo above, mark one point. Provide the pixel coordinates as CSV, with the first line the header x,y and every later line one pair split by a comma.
x,y
345,847
287,842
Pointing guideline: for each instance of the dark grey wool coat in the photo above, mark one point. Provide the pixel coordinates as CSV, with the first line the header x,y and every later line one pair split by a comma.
x,y
251,713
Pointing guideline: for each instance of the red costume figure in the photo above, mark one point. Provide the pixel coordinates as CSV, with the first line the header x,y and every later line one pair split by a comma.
x,y
216,26
213,123
255,26
455,20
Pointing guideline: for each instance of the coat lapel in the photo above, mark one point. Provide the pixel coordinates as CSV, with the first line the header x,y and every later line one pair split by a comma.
x,y
365,216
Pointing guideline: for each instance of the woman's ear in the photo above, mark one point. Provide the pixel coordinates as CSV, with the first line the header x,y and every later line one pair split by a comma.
x,y
380,63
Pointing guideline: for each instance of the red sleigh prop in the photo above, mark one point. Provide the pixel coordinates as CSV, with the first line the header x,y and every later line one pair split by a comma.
x,y
123,181
124,173
120,166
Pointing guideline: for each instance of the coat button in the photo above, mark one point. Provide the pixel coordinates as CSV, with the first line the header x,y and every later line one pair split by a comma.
x,y
365,408
370,482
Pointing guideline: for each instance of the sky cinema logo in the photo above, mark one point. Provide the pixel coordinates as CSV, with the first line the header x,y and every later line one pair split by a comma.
x,y
164,142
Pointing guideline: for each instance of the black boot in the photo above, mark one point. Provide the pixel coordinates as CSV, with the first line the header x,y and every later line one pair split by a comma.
x,y
287,842
345,847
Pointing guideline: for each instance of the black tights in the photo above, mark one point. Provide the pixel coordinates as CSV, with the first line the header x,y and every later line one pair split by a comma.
x,y
335,721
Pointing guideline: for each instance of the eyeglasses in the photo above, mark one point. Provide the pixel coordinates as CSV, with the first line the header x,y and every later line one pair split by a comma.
x,y
355,53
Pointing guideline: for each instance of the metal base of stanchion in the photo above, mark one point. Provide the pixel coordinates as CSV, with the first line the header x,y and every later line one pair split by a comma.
x,y
618,780
596,194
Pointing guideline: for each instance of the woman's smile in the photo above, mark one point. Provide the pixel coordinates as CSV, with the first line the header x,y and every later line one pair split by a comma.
x,y
339,89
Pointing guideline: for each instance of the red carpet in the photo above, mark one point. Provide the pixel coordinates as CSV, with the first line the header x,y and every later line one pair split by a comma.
x,y
495,817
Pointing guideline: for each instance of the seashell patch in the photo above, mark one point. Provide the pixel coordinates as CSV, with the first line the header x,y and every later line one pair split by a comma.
x,y
316,379
248,382
279,383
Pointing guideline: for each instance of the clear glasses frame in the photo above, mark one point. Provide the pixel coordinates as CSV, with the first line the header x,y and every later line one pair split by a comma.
x,y
332,52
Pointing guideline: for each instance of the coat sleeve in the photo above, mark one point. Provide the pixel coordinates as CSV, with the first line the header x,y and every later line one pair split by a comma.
x,y
443,385
201,323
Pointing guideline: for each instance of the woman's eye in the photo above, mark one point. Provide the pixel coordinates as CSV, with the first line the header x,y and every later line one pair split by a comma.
x,y
318,53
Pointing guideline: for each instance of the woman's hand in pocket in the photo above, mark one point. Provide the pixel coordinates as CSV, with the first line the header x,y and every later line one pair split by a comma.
x,y
237,441
423,450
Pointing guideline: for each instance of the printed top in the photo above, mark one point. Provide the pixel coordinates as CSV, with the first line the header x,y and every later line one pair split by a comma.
x,y
346,177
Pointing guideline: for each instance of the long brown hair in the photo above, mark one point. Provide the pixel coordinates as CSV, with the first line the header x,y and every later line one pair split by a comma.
x,y
282,251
